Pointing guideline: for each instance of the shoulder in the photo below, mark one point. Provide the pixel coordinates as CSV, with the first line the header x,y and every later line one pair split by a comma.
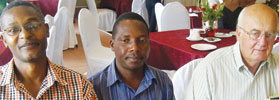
x,y
275,59
219,55
62,70
161,76
4,68
70,76
99,77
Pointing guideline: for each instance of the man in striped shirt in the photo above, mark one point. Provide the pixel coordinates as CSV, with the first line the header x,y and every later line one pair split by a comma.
x,y
129,77
245,71
30,75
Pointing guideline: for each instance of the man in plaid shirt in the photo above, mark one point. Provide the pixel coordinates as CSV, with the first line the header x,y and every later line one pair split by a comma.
x,y
30,75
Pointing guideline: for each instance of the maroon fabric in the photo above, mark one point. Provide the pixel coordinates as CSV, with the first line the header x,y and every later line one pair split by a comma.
x,y
5,54
196,22
107,4
170,49
46,6
120,6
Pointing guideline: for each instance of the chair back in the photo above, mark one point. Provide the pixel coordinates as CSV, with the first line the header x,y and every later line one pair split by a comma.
x,y
97,56
276,48
174,17
182,77
71,39
57,36
158,13
139,7
70,5
92,7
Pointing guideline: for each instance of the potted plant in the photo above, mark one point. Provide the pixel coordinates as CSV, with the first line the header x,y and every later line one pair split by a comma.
x,y
211,14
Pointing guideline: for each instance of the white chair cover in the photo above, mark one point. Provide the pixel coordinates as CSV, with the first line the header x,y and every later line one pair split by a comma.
x,y
57,36
276,48
107,17
158,12
139,7
97,56
182,78
71,39
174,17
49,20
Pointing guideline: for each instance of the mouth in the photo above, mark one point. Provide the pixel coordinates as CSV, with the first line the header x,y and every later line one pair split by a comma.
x,y
135,58
29,45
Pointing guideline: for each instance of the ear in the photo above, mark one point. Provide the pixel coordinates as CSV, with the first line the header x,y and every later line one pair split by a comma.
x,y
237,34
3,39
47,30
111,42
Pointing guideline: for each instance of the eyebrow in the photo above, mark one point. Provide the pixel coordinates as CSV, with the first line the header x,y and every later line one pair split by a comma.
x,y
28,20
32,19
260,30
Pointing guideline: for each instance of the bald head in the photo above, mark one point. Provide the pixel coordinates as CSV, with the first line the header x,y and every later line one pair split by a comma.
x,y
259,14
253,22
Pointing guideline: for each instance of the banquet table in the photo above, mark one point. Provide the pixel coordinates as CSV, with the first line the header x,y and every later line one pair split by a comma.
x,y
5,54
170,50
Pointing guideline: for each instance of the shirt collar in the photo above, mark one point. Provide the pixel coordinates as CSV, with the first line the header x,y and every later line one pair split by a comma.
x,y
55,73
239,61
113,76
8,74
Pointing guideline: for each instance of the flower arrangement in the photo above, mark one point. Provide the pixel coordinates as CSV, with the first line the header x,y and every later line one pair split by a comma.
x,y
211,14
274,4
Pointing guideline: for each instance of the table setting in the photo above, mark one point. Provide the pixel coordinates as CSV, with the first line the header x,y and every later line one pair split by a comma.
x,y
195,35
172,49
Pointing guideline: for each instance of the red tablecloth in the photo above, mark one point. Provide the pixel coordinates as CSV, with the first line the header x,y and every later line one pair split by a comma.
x,y
171,50
196,22
5,54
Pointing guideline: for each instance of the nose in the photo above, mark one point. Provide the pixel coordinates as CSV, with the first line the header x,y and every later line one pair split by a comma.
x,y
134,47
263,40
24,34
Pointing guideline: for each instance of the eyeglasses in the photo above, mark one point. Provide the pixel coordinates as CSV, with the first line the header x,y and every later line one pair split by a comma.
x,y
30,27
257,34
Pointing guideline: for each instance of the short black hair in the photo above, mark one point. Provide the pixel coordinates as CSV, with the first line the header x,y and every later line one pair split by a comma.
x,y
127,16
21,3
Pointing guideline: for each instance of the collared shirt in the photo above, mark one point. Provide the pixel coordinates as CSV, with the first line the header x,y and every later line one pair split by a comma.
x,y
155,85
222,75
59,84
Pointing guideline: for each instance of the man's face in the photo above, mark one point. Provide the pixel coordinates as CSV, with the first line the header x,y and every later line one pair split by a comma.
x,y
256,49
131,44
24,33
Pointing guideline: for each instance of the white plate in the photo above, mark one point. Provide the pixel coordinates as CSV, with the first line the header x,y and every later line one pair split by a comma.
x,y
233,32
203,47
194,39
222,35
215,39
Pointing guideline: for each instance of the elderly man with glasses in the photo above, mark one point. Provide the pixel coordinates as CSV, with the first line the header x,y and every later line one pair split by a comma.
x,y
245,71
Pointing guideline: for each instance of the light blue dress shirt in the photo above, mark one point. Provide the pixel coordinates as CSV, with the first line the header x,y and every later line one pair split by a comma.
x,y
155,85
